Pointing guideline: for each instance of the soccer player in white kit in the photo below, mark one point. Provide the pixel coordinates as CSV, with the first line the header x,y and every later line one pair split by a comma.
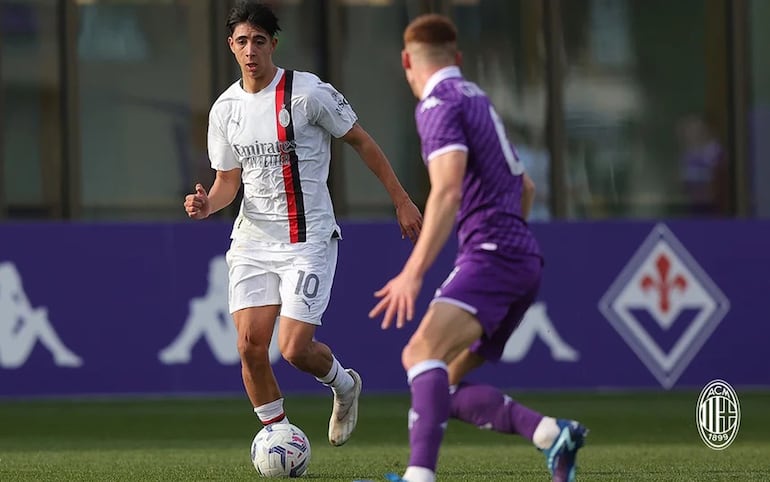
x,y
271,131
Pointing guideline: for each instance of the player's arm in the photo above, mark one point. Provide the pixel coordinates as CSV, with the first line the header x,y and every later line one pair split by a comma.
x,y
224,189
202,204
369,151
527,196
228,179
375,160
446,173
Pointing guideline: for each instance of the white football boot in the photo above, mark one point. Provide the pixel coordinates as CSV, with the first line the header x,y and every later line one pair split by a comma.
x,y
345,412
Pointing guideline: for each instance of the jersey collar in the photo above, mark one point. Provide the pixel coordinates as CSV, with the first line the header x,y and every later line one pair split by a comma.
x,y
269,87
438,76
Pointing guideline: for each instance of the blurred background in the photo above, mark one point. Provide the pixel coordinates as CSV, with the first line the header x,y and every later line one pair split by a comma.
x,y
633,109
644,123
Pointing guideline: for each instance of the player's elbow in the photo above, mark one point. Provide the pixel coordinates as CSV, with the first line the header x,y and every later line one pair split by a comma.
x,y
449,200
529,187
449,195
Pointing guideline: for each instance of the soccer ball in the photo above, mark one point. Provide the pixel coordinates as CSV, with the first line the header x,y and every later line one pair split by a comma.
x,y
280,450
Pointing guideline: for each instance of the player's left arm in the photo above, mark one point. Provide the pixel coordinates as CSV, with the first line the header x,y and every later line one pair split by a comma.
x,y
370,152
399,294
527,196
327,107
446,173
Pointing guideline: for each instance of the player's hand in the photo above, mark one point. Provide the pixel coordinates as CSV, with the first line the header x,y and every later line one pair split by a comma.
x,y
410,220
197,205
398,297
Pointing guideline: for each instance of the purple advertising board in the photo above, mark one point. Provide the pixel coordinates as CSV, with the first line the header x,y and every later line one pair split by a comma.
x,y
142,309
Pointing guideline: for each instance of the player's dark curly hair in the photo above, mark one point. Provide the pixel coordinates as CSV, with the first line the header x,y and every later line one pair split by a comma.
x,y
255,13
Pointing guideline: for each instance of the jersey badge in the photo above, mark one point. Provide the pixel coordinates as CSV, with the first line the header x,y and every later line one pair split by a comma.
x,y
284,118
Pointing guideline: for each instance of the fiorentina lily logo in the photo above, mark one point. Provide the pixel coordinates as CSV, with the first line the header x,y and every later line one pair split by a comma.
x,y
664,305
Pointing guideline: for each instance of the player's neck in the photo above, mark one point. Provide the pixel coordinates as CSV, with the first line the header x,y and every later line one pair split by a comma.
x,y
252,85
423,77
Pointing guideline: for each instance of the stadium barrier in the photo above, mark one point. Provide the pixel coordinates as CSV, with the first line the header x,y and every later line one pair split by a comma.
x,y
142,309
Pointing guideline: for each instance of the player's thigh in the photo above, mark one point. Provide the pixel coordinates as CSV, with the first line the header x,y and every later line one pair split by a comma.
x,y
252,281
306,281
255,325
444,332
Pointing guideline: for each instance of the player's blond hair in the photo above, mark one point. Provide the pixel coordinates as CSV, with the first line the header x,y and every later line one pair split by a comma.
x,y
432,38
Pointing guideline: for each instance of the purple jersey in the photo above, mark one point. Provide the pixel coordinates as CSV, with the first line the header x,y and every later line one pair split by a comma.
x,y
455,114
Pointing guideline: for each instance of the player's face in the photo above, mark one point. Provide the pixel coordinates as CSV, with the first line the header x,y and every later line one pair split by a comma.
x,y
253,49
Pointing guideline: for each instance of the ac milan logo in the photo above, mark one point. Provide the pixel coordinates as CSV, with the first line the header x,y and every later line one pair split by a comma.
x,y
284,117
664,305
718,414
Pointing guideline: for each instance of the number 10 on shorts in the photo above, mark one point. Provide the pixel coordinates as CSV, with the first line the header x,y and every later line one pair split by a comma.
x,y
307,284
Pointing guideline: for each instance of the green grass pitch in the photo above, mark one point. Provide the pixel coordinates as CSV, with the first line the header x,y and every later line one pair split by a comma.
x,y
634,436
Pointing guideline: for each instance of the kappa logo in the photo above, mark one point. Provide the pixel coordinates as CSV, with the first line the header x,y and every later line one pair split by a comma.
x,y
537,324
430,103
664,305
209,318
22,326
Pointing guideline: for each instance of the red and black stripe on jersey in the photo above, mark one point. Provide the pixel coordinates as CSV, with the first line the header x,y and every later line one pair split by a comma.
x,y
292,184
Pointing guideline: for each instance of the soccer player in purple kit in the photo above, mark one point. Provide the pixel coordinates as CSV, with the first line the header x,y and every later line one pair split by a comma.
x,y
477,180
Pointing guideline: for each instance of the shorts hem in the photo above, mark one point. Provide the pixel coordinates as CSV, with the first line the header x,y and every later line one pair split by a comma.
x,y
460,304
243,306
303,319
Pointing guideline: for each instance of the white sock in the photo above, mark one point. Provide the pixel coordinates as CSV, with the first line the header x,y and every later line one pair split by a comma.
x,y
272,412
545,433
338,379
419,474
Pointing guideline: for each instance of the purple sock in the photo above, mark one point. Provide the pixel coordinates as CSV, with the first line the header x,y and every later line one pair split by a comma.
x,y
487,407
429,413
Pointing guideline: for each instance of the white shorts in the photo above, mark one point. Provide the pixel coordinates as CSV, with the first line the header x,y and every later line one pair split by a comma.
x,y
296,276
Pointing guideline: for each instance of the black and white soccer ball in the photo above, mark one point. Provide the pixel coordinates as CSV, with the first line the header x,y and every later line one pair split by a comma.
x,y
280,450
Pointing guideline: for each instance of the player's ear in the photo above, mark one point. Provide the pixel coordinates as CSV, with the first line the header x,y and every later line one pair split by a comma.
x,y
406,62
459,58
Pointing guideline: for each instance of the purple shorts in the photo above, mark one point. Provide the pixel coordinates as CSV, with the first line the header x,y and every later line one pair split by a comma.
x,y
496,290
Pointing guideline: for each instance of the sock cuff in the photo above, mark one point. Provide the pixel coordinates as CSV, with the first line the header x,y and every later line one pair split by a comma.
x,y
545,433
424,366
334,372
421,474
271,412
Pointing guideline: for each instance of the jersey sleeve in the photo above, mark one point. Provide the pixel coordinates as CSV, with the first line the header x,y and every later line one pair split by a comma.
x,y
221,153
440,125
328,108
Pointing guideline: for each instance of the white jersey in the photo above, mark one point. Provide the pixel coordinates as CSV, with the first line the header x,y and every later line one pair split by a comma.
x,y
284,149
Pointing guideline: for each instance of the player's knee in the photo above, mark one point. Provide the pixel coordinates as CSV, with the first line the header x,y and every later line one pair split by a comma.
x,y
414,352
296,352
252,350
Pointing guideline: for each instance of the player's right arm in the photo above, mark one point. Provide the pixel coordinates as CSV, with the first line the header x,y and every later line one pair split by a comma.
x,y
201,204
